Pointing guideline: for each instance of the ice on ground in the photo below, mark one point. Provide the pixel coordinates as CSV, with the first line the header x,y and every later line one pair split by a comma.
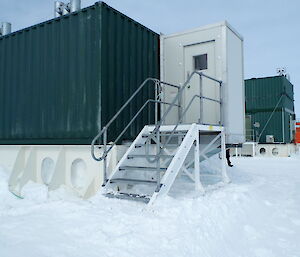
x,y
257,215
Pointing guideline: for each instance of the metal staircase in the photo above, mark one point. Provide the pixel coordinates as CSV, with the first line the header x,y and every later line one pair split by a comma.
x,y
161,152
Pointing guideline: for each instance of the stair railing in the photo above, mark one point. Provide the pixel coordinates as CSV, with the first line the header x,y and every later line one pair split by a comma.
x,y
155,135
155,132
103,133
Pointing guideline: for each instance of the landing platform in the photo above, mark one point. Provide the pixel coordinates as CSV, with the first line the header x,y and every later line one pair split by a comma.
x,y
185,127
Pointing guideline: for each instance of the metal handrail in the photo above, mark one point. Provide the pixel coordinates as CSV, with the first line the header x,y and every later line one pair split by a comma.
x,y
104,155
153,159
155,135
103,132
181,91
157,127
158,124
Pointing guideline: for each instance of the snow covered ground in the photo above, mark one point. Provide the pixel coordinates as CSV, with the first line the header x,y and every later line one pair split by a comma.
x,y
258,214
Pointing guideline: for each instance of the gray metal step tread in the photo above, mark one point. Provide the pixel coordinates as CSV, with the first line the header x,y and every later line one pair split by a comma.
x,y
127,196
141,168
131,156
178,130
164,134
126,180
168,145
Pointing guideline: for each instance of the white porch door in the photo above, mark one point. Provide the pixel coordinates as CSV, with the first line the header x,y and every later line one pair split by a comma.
x,y
201,57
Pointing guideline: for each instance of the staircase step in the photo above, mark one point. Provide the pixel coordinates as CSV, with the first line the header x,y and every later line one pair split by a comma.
x,y
178,130
141,168
132,156
128,180
168,145
126,196
164,134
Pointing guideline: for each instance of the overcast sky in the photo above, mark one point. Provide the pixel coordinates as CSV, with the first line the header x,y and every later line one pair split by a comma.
x,y
271,28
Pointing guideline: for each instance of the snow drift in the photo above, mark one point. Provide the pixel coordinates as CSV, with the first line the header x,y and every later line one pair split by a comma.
x,y
258,214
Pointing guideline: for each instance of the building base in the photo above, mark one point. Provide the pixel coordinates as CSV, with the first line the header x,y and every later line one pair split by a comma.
x,y
55,166
252,149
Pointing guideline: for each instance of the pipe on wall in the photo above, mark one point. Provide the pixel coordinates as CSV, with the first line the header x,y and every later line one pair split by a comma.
x,y
75,5
5,28
61,8
58,8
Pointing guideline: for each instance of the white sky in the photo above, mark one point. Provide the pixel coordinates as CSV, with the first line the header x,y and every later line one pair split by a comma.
x,y
271,28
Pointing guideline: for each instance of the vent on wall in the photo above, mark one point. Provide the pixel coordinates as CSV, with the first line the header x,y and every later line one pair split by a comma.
x,y
5,28
60,8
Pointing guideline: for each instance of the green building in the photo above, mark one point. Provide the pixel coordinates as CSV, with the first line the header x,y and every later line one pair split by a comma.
x,y
269,110
62,80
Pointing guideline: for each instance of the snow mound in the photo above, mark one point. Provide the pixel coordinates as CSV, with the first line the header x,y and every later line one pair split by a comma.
x,y
257,215
63,193
37,193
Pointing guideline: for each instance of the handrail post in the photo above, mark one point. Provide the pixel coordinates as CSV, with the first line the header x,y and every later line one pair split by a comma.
x,y
201,99
105,157
156,103
157,160
157,141
179,103
156,129
221,103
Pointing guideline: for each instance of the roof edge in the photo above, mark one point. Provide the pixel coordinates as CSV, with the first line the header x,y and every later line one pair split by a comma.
x,y
206,27
95,5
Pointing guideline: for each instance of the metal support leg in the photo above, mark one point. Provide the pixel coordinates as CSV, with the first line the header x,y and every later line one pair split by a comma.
x,y
224,164
105,159
198,184
188,174
104,172
205,149
158,178
210,162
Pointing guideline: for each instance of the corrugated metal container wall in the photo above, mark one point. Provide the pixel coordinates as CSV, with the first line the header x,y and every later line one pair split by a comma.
x,y
289,91
263,94
280,130
62,80
262,98
130,54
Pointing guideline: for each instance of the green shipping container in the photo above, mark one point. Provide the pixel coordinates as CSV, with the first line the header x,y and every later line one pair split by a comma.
x,y
62,80
269,102
279,125
263,94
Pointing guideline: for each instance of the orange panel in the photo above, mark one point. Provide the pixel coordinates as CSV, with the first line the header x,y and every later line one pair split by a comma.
x,y
297,137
